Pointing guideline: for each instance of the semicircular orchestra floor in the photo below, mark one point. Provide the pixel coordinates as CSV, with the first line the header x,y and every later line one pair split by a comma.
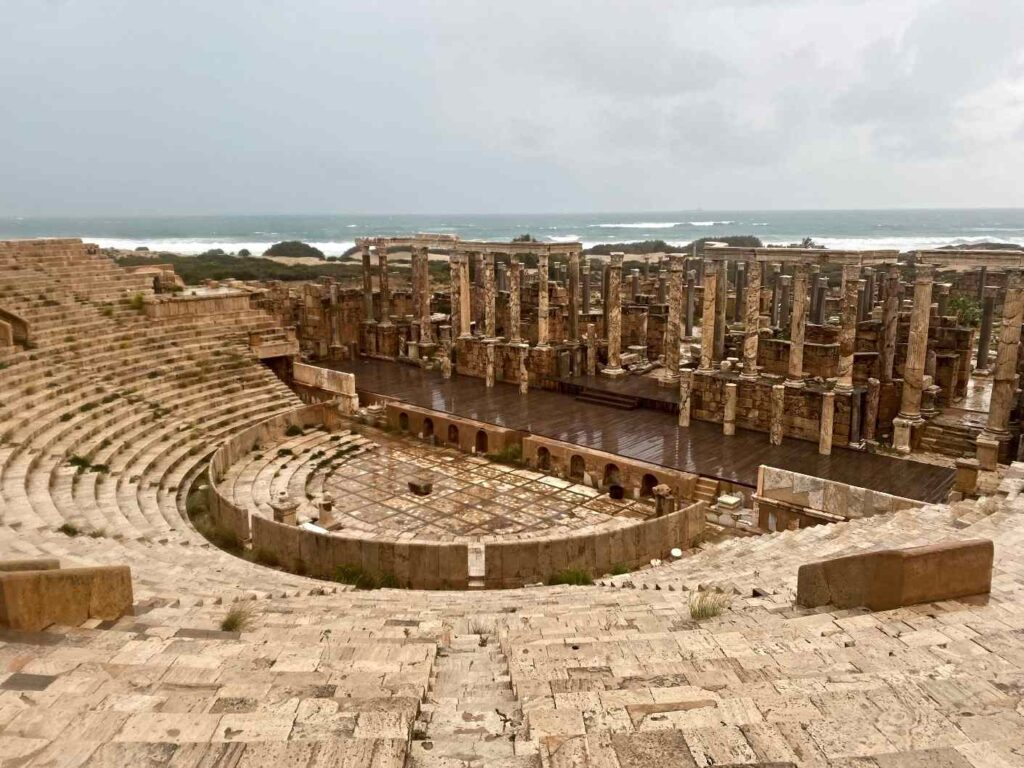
x,y
367,473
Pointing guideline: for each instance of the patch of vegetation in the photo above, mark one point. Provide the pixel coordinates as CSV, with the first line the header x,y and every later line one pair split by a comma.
x,y
137,302
267,558
285,452
238,619
576,577
294,249
69,529
511,455
967,311
294,430
660,246
707,605
360,578
619,569
194,270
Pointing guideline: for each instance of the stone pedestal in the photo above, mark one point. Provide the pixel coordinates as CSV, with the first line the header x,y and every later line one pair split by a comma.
x,y
664,500
729,418
987,453
828,410
778,414
285,509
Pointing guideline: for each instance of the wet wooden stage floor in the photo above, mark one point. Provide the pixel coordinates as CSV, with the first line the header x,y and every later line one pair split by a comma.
x,y
645,435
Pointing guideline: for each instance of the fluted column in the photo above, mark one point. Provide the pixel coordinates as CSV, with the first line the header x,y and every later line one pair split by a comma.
x,y
721,300
585,279
364,252
913,368
614,312
675,302
385,291
489,325
515,279
752,316
890,319
707,326
542,300
985,334
574,303
848,329
797,327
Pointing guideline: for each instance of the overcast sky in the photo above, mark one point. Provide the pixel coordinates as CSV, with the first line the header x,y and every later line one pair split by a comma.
x,y
323,106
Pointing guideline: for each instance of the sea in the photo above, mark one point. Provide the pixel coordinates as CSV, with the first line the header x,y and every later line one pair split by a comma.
x,y
903,229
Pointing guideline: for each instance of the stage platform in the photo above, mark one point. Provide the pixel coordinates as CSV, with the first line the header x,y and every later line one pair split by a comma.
x,y
646,434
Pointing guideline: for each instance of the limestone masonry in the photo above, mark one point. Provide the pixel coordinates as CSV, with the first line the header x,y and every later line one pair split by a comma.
x,y
505,504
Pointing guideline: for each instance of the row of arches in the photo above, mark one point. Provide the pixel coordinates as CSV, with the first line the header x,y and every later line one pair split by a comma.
x,y
481,443
611,475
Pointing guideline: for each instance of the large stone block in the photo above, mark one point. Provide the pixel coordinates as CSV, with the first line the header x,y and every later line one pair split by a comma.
x,y
33,600
888,579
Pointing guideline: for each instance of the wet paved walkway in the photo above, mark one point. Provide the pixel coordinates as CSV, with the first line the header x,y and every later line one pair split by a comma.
x,y
646,435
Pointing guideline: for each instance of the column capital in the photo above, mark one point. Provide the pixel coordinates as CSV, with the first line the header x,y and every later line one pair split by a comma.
x,y
924,273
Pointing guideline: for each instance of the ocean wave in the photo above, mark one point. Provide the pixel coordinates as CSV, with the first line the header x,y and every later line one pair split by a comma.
x,y
760,224
640,225
564,238
708,223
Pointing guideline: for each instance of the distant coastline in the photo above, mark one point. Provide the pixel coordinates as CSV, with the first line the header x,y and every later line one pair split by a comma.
x,y
334,234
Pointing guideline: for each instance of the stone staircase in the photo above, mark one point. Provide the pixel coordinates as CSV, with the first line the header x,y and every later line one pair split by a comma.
x,y
608,399
706,490
950,438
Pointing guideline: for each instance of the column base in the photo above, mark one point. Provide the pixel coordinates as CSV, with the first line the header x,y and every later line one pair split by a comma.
x,y
668,378
902,432
795,383
613,373
987,453
843,389
981,373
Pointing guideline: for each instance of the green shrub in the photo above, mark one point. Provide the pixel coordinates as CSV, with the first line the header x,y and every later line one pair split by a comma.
x,y
69,529
967,311
511,455
577,577
620,568
294,249
137,302
285,452
356,576
294,430
266,557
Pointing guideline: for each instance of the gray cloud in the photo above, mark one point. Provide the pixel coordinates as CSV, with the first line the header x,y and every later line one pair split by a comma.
x,y
121,106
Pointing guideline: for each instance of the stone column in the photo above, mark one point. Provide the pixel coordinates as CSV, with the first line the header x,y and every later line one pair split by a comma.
x,y
426,329
634,285
848,329
691,300
614,313
820,293
675,303
869,292
785,291
871,409
729,413
515,279
721,301
524,373
740,307
988,308
662,287
890,319
542,300
797,327
591,350
489,298
585,279
752,316
773,275
465,313
707,326
685,384
385,291
1004,373
364,251
778,414
913,368
828,409
574,304
982,277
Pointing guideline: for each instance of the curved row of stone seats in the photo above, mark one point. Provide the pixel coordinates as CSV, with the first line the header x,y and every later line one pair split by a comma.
x,y
286,466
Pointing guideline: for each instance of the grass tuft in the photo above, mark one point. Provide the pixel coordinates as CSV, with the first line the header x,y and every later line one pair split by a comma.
x,y
238,619
576,577
707,605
